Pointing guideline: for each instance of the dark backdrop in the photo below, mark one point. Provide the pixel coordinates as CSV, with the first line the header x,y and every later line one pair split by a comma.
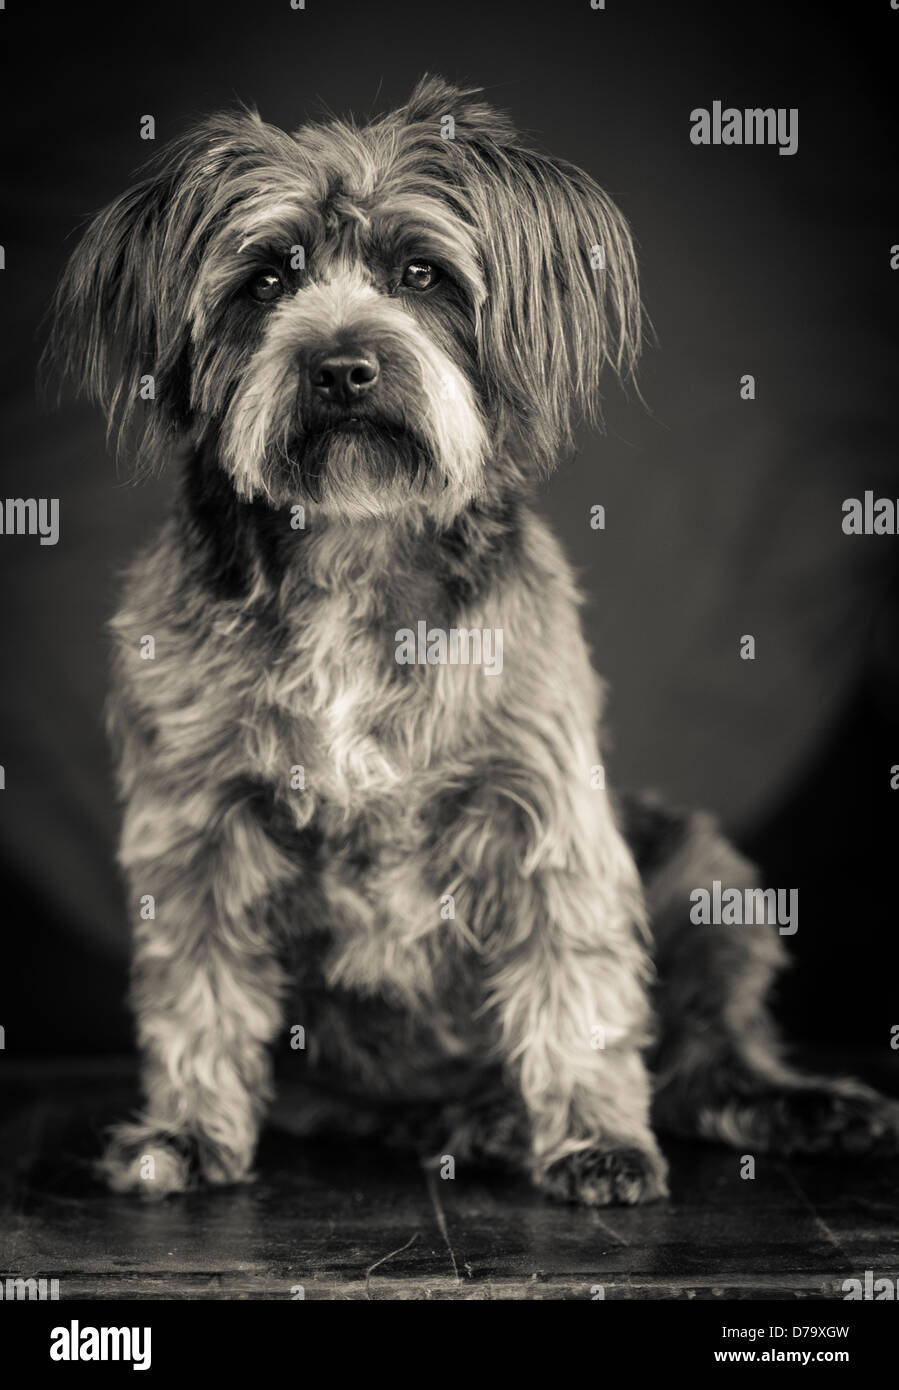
x,y
723,516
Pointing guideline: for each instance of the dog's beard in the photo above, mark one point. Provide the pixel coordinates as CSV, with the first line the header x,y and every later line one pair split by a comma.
x,y
359,468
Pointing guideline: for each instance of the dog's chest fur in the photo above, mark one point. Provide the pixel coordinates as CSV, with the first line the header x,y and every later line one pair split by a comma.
x,y
289,683
380,741
371,726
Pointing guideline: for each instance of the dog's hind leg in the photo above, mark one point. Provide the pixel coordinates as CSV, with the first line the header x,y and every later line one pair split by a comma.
x,y
720,1069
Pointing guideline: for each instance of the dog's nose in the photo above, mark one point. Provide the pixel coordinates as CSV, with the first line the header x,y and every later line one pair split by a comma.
x,y
345,377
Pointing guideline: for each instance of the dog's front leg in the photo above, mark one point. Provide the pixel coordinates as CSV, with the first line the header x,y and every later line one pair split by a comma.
x,y
206,989
554,896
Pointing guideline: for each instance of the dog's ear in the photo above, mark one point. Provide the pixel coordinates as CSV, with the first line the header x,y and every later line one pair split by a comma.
x,y
563,298
107,320
119,325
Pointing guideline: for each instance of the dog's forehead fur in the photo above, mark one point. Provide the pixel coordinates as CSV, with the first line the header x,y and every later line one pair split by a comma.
x,y
345,193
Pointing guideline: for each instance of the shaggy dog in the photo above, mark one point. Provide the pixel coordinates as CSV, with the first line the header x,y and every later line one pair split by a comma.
x,y
355,718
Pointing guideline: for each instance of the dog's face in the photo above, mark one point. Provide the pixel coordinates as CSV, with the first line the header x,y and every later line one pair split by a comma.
x,y
366,318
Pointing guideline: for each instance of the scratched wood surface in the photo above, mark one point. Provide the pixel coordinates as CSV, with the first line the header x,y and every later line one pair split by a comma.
x,y
349,1221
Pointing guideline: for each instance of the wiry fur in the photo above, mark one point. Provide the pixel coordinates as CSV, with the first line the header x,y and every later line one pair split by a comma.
x,y
274,647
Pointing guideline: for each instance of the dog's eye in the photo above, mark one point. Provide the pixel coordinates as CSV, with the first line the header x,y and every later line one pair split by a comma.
x,y
266,286
420,275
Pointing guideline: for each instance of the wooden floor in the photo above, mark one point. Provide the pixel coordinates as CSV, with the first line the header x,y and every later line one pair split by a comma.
x,y
353,1222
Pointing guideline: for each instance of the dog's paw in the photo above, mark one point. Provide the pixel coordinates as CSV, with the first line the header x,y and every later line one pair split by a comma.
x,y
154,1164
821,1117
602,1177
